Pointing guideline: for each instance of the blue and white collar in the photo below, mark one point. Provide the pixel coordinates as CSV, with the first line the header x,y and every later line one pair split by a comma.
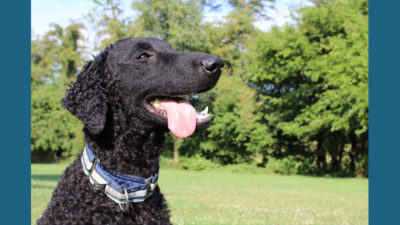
x,y
120,188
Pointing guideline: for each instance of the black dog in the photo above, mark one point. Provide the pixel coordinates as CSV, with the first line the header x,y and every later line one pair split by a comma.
x,y
126,98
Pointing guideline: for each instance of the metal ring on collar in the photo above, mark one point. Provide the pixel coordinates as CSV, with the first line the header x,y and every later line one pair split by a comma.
x,y
95,161
150,179
126,201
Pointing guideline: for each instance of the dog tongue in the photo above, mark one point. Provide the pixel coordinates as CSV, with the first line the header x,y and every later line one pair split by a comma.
x,y
181,117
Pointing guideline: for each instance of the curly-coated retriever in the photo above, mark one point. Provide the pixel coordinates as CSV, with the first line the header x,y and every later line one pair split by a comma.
x,y
127,98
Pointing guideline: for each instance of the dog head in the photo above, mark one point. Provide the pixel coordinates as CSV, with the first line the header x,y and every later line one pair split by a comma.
x,y
143,79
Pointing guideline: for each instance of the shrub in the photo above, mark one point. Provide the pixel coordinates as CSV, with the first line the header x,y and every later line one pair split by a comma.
x,y
196,163
287,166
308,167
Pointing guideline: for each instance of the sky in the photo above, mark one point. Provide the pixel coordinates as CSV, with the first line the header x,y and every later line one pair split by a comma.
x,y
62,12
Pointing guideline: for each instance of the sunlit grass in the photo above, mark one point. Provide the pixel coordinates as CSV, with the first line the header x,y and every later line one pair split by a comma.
x,y
43,181
217,197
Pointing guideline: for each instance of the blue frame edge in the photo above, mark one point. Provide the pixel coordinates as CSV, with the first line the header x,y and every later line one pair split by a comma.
x,y
384,112
15,112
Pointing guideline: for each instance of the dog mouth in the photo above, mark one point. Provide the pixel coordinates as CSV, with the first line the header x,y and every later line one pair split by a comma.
x,y
181,116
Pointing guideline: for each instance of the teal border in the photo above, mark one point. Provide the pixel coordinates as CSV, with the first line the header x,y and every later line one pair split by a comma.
x,y
15,112
384,112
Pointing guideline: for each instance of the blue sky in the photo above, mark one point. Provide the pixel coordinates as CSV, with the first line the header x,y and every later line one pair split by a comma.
x,y
45,12
62,12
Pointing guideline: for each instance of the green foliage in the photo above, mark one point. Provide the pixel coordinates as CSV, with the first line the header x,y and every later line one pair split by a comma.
x,y
235,135
361,169
313,80
232,137
196,163
53,128
175,21
286,166
297,93
244,168
107,21
55,61
290,166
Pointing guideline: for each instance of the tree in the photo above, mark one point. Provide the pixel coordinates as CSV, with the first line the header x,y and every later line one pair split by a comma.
x,y
313,80
175,21
55,60
299,91
235,136
109,23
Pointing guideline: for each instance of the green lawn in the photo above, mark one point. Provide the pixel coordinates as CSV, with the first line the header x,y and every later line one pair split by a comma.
x,y
218,197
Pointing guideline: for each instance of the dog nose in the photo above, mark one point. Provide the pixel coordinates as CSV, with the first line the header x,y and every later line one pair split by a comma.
x,y
212,63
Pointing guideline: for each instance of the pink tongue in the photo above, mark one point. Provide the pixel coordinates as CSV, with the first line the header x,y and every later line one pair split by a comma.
x,y
181,117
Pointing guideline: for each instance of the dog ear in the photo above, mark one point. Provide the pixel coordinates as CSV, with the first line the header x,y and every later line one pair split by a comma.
x,y
86,98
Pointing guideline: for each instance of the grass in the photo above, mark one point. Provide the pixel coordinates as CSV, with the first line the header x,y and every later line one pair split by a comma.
x,y
220,197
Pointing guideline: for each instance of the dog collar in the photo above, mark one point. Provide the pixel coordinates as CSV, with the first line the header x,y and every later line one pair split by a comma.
x,y
120,188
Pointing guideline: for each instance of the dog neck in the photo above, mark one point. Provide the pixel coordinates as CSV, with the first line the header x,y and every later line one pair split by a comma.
x,y
128,147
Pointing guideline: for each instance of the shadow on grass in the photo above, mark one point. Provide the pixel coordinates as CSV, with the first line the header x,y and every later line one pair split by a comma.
x,y
45,177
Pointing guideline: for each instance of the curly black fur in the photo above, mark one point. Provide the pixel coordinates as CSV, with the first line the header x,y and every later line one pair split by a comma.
x,y
108,97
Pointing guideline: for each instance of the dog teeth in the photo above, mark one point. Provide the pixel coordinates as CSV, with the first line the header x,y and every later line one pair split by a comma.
x,y
203,114
205,111
157,104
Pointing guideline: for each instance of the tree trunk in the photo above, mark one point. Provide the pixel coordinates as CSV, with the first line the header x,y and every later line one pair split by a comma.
x,y
334,162
321,154
354,152
177,145
321,161
340,157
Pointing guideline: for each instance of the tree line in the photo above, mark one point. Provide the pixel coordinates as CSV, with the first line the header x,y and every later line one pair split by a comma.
x,y
298,93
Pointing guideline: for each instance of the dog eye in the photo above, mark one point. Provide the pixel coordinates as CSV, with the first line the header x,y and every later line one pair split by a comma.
x,y
144,56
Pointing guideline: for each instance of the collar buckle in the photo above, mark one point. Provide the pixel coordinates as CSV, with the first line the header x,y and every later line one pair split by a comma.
x,y
127,203
114,184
